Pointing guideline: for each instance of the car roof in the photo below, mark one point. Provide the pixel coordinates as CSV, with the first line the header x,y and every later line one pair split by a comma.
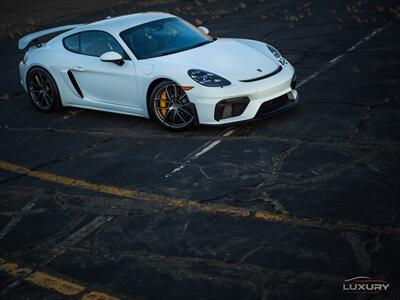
x,y
118,24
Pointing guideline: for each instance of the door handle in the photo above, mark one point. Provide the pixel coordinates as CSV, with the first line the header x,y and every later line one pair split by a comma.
x,y
78,68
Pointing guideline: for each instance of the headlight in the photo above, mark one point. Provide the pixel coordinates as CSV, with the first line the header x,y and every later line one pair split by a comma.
x,y
208,78
277,55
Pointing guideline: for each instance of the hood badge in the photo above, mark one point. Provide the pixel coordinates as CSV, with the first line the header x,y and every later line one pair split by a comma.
x,y
259,70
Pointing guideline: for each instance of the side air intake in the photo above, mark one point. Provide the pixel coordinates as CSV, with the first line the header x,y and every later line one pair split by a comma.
x,y
74,83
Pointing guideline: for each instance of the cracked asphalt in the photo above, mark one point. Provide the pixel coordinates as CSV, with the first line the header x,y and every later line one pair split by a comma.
x,y
284,208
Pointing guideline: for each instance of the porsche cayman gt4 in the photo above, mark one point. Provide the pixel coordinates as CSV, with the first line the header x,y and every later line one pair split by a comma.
x,y
156,65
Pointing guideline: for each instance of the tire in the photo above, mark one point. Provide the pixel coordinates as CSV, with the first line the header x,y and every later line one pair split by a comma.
x,y
170,107
43,90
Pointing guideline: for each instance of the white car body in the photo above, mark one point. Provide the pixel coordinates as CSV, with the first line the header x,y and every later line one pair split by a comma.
x,y
125,89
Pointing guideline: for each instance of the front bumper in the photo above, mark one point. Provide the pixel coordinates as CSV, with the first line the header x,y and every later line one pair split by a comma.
x,y
278,105
256,95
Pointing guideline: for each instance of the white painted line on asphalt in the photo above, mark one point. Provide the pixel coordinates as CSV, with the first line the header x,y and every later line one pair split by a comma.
x,y
337,59
203,149
229,133
16,219
206,149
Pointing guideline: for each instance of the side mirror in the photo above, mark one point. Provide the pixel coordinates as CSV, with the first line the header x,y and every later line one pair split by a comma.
x,y
204,29
112,56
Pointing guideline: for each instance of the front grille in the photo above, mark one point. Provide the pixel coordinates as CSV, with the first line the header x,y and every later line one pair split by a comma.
x,y
273,106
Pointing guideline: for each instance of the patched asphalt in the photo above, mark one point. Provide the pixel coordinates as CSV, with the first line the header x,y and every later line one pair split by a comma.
x,y
284,208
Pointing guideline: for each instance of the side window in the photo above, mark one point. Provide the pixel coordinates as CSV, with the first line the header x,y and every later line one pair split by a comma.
x,y
71,43
95,43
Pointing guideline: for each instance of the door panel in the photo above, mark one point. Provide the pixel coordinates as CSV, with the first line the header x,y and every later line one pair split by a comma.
x,y
108,84
105,81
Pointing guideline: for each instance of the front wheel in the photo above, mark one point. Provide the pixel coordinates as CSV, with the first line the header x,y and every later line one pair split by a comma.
x,y
170,106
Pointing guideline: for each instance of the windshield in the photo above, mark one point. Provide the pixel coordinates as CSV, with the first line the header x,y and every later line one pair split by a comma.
x,y
162,37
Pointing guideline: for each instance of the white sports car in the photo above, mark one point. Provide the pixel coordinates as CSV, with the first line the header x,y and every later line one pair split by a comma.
x,y
156,65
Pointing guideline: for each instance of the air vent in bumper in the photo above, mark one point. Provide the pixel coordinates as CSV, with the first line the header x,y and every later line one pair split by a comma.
x,y
229,108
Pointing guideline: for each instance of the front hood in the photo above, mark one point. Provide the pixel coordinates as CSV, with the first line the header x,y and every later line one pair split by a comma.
x,y
228,58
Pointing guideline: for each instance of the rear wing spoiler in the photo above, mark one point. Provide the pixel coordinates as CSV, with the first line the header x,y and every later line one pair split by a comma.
x,y
26,40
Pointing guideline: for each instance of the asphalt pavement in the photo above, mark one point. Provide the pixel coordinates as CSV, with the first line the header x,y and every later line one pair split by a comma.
x,y
98,205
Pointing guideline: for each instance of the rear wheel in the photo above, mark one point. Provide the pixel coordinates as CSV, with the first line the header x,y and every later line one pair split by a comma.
x,y
42,90
170,106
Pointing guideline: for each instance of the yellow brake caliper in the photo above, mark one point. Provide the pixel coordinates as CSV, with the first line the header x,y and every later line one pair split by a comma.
x,y
163,103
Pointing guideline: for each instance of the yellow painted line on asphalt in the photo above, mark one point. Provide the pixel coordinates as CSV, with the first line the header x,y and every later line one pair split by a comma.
x,y
14,270
106,189
51,282
97,296
202,207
